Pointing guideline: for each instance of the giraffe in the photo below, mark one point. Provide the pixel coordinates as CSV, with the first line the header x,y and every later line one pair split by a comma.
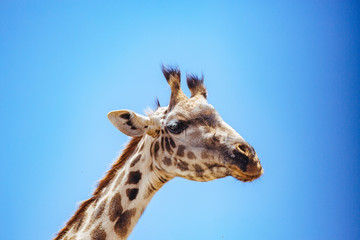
x,y
187,139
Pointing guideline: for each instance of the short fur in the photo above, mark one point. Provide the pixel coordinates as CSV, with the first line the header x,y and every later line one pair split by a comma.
x,y
130,148
195,143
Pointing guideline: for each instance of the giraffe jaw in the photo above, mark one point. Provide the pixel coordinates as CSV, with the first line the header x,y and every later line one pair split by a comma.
x,y
245,177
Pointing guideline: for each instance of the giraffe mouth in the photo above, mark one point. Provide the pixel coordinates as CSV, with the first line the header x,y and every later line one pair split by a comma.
x,y
245,176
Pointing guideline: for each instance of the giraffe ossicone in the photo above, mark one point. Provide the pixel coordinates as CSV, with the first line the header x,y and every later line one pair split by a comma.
x,y
187,139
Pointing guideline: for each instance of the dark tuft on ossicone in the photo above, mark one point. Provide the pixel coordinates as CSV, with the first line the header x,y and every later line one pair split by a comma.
x,y
196,84
169,71
193,81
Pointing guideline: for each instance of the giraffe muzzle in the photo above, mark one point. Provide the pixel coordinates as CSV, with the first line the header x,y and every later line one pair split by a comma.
x,y
245,164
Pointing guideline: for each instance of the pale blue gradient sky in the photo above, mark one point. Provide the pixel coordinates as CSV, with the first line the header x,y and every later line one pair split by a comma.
x,y
284,74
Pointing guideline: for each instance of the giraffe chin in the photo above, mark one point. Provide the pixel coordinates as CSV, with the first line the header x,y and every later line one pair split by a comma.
x,y
245,177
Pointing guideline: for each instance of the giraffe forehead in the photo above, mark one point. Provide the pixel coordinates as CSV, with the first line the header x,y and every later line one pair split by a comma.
x,y
196,104
191,110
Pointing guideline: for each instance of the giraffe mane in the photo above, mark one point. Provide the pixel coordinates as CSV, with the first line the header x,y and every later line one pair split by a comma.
x,y
110,174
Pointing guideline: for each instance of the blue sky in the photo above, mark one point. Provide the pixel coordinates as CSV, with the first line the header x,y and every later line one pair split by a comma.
x,y
284,74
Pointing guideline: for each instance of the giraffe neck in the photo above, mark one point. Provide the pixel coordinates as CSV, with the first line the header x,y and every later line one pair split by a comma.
x,y
120,204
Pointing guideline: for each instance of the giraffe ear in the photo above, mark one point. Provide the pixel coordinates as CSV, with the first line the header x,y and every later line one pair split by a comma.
x,y
129,123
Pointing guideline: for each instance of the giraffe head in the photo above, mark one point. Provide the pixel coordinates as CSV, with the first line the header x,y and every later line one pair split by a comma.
x,y
188,138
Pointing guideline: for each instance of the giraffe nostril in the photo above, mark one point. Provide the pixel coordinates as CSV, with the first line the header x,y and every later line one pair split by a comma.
x,y
243,148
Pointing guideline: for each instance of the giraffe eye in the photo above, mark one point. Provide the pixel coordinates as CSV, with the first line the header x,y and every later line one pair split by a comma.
x,y
176,127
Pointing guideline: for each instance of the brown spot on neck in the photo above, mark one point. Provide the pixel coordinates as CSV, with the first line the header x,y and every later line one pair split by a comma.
x,y
132,193
98,233
134,177
123,223
115,208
